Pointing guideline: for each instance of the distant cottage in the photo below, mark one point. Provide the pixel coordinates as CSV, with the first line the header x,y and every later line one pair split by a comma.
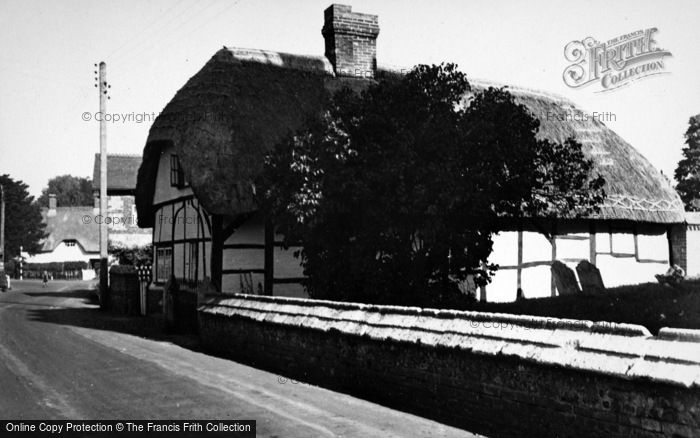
x,y
72,233
195,185
69,237
122,171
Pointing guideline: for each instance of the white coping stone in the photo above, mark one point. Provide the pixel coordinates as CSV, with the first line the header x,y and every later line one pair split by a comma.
x,y
678,334
621,350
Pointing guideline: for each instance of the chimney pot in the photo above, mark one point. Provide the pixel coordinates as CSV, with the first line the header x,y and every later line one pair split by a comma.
x,y
351,41
52,205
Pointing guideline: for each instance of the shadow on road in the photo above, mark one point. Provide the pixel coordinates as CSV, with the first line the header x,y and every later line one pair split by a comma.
x,y
90,316
88,296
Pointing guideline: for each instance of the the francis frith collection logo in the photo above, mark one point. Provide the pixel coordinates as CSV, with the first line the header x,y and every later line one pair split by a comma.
x,y
616,62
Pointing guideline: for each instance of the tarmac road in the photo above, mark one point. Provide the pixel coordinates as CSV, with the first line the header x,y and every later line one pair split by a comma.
x,y
61,358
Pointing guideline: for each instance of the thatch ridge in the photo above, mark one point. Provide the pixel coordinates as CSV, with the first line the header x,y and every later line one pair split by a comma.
x,y
635,189
244,101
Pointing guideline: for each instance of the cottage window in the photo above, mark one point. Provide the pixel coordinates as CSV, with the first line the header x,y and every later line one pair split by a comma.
x,y
164,257
177,175
191,261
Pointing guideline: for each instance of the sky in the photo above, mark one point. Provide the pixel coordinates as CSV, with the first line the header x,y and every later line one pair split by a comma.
x,y
152,47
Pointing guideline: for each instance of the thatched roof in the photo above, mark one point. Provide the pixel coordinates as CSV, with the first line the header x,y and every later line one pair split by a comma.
x,y
122,170
242,102
635,189
69,224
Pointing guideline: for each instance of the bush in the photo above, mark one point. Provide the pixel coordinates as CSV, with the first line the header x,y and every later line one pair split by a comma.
x,y
133,256
394,195
56,266
122,269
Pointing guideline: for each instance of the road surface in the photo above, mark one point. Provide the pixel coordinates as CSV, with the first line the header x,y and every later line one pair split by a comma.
x,y
61,358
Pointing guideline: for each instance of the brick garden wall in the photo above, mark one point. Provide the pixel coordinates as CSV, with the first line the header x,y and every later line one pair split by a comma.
x,y
124,294
499,375
123,291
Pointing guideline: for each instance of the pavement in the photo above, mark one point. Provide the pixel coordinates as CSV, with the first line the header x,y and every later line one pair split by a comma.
x,y
63,358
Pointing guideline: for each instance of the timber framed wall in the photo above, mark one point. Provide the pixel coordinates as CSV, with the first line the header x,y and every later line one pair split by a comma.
x,y
499,375
255,262
625,252
182,241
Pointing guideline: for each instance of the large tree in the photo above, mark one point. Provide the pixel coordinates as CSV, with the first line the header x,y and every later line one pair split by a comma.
x,y
69,190
23,224
395,194
688,170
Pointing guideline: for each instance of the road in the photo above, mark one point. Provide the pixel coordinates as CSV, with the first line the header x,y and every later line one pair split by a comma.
x,y
61,358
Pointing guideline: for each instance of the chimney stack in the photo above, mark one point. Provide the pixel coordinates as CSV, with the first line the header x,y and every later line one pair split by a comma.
x,y
351,41
52,205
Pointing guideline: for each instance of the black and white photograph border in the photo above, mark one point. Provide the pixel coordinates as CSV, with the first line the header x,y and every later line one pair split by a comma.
x,y
356,219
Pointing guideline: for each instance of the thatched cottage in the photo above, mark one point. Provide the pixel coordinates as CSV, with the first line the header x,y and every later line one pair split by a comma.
x,y
69,238
195,185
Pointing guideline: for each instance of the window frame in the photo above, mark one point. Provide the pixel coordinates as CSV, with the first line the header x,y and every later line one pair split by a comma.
x,y
177,174
163,272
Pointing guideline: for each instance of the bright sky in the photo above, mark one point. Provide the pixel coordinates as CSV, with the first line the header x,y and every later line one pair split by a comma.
x,y
49,49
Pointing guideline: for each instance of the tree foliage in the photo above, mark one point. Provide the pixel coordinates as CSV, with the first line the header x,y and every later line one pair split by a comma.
x,y
23,222
688,171
131,255
70,191
395,194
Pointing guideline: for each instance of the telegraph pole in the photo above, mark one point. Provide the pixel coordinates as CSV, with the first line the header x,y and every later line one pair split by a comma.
x,y
104,279
2,228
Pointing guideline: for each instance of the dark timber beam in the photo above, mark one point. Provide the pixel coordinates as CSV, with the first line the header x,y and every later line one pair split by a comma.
x,y
217,247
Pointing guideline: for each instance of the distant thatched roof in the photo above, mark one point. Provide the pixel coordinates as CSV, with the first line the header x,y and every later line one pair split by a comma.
x,y
69,224
242,102
122,171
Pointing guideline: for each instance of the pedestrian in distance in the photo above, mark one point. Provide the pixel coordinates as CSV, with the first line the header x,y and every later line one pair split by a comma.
x,y
45,279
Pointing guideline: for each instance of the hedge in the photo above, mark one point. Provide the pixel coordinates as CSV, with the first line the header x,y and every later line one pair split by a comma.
x,y
55,266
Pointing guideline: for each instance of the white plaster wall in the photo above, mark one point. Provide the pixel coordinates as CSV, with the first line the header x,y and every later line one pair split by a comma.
x,y
616,271
243,259
621,271
231,283
178,257
505,248
693,252
538,248
573,249
653,247
163,229
252,232
164,191
286,265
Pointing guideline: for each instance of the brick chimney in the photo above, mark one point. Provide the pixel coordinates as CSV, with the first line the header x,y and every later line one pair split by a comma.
x,y
351,41
52,205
